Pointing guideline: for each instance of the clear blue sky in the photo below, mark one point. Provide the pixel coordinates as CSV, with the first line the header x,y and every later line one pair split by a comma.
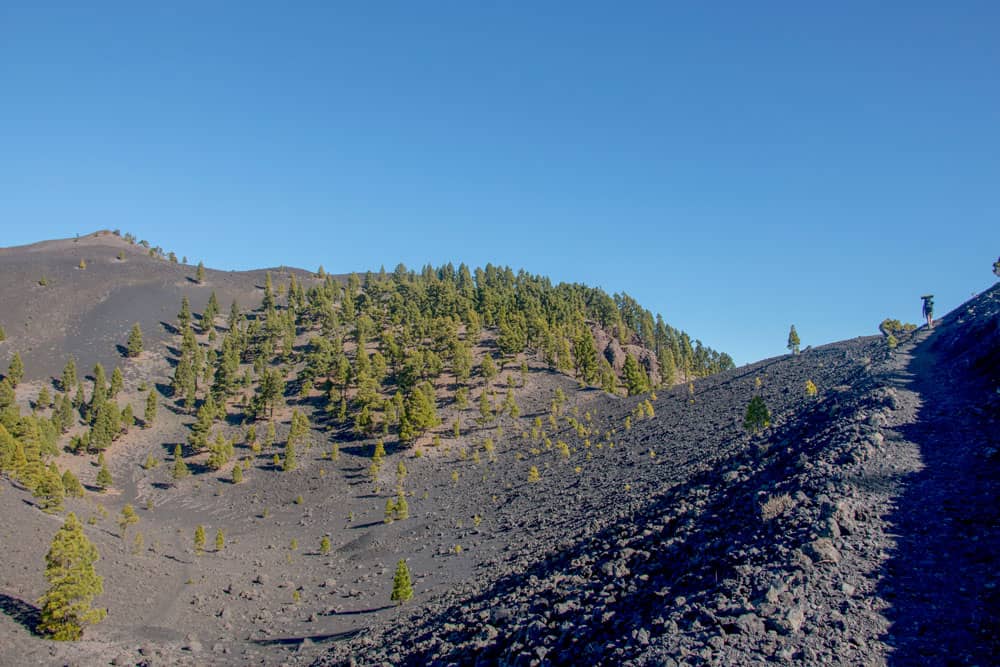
x,y
735,166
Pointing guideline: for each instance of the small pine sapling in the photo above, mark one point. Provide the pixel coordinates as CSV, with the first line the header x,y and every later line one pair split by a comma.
x,y
199,540
402,587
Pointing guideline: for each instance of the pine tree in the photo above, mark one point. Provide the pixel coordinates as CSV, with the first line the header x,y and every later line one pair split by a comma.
x,y
220,452
237,474
63,415
149,415
198,437
488,369
200,273
211,312
485,408
69,378
299,428
15,371
44,399
128,418
269,392
135,341
402,587
636,381
105,428
128,518
289,462
268,303
78,398
402,507
793,340
73,584
758,417
7,395
585,355
180,469
49,490
71,485
184,317
420,413
220,540
99,394
324,545
103,480
668,369
3,334
199,540
8,450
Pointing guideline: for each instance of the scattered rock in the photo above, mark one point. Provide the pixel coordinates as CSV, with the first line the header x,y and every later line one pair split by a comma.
x,y
823,551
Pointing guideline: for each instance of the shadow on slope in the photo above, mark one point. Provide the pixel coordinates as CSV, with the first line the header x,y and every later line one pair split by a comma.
x,y
25,614
941,578
603,597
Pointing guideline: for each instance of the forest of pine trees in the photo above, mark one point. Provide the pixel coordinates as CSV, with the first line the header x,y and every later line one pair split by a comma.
x,y
380,347
378,354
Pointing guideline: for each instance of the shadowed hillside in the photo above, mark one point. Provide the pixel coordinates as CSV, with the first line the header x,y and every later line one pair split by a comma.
x,y
566,478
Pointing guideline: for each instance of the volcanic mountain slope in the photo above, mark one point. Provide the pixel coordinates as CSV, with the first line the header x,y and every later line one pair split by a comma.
x,y
860,529
270,584
54,309
658,531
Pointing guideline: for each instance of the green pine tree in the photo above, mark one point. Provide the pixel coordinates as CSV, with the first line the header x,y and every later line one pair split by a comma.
x,y
103,480
184,317
135,341
207,413
49,490
324,545
402,507
758,417
69,378
200,273
180,469
402,587
585,355
128,418
199,540
15,371
149,415
128,518
290,462
636,381
485,408
793,340
71,485
488,369
220,540
117,383
73,584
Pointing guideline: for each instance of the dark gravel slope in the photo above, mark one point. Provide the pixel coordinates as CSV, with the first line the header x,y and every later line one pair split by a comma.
x,y
859,529
89,312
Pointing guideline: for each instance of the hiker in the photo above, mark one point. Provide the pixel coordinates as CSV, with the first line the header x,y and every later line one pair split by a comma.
x,y
929,309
